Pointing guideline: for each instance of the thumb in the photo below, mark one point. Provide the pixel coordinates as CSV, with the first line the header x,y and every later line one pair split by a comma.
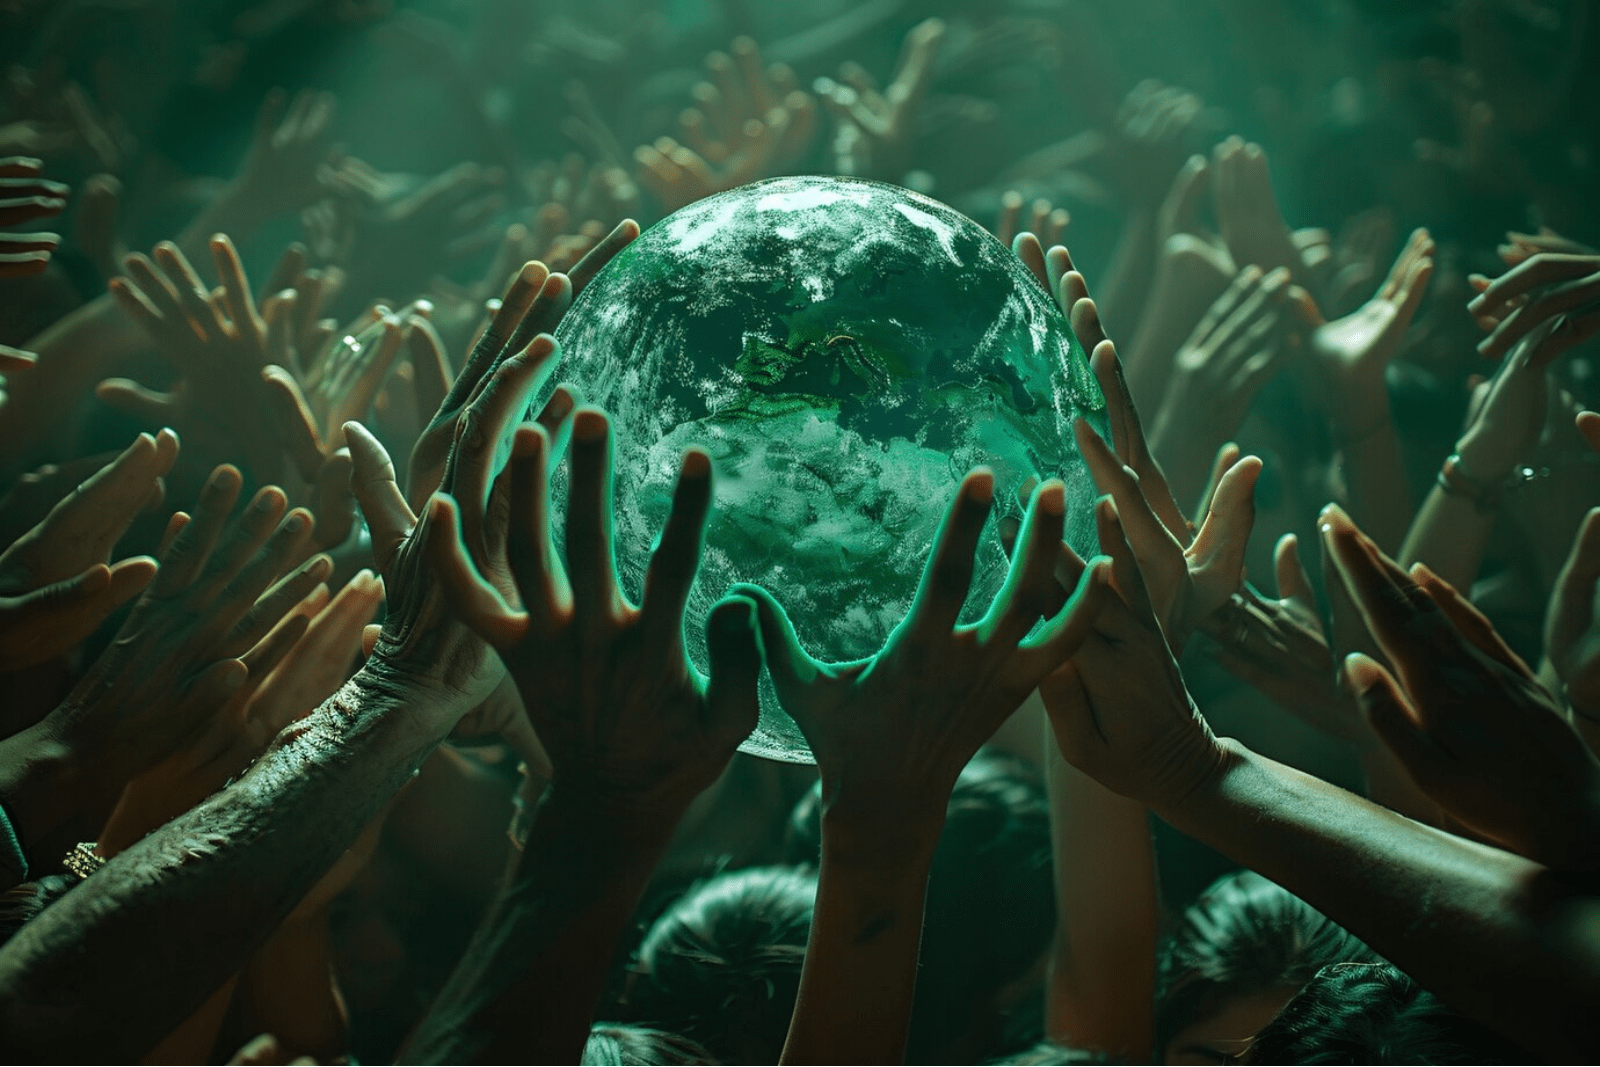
x,y
735,649
788,663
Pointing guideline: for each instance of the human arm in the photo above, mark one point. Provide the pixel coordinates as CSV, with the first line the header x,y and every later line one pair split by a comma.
x,y
1451,529
632,732
1488,931
891,734
1347,359
176,901
1100,991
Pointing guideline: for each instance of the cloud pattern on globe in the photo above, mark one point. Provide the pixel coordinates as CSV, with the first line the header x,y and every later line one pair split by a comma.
x,y
846,351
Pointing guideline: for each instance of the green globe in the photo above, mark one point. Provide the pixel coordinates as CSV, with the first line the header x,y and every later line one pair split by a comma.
x,y
846,351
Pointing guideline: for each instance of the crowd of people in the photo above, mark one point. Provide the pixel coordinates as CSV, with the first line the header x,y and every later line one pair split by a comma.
x,y
328,736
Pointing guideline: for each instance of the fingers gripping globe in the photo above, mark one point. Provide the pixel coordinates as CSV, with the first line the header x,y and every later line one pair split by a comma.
x,y
845,351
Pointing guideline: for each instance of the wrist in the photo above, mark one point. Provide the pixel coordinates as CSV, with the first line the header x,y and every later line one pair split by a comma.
x,y
1483,460
47,781
1205,780
617,818
863,830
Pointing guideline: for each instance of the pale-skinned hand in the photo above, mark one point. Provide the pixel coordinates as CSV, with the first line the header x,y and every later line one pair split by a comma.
x,y
1559,286
1348,356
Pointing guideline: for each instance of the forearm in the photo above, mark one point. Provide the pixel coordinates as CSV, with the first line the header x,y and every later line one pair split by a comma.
x,y
1489,932
288,991
169,919
1101,992
859,978
548,941
1378,494
1450,534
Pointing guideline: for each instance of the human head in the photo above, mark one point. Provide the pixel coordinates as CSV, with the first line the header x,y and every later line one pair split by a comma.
x,y
722,964
623,1045
1371,1013
1240,952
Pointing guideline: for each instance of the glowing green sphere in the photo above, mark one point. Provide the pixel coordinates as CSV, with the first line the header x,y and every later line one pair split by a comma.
x,y
846,351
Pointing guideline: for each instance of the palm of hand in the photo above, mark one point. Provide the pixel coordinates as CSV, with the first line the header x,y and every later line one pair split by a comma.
x,y
1361,344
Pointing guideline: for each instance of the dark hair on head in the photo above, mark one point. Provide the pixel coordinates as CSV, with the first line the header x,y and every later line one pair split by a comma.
x,y
1243,936
626,1045
1371,1013
722,964
991,906
21,904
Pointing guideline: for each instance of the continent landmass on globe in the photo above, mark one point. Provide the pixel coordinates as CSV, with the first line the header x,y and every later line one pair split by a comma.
x,y
846,351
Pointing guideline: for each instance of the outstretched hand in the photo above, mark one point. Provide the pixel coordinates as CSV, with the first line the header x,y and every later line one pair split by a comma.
x,y
623,716
1463,713
57,582
892,732
1119,709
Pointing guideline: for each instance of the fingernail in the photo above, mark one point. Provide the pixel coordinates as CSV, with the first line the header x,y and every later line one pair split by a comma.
x,y
295,523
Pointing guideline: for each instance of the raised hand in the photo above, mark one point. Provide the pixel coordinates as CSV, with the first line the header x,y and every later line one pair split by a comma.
x,y
892,732
421,642
749,121
1155,130
1187,580
875,132
1348,356
623,716
1234,351
1465,716
186,649
534,303
1559,286
1247,212
216,341
1119,709
281,171
57,581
